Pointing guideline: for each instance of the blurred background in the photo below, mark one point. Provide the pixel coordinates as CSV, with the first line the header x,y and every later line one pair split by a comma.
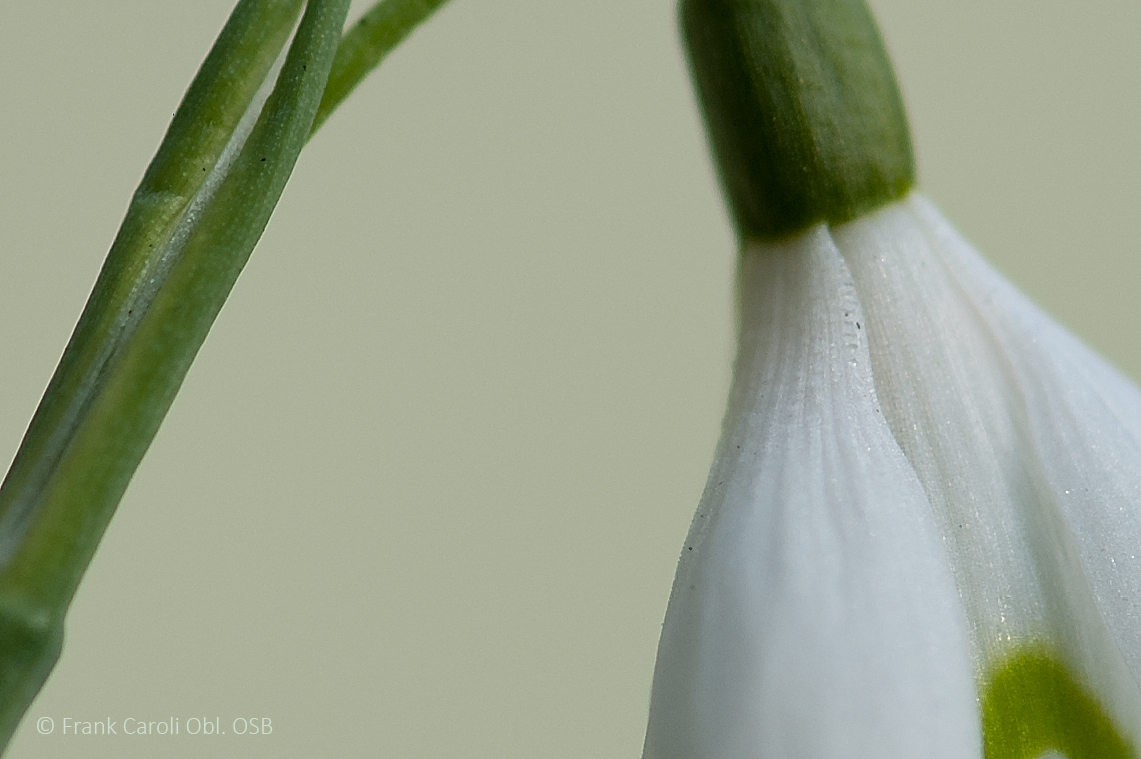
x,y
423,491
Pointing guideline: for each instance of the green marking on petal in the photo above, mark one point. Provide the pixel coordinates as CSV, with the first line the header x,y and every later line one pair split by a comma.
x,y
1032,704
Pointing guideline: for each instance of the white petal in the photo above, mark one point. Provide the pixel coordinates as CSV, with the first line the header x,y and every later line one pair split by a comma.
x,y
1084,421
814,614
976,406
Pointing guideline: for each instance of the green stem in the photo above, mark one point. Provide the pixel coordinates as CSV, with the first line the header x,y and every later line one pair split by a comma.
x,y
199,211
41,564
185,162
193,222
364,46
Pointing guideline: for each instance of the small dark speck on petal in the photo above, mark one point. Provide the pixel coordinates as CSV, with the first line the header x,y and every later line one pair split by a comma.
x,y
263,160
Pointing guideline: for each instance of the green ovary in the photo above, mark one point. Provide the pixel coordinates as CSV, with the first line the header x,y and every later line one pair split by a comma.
x,y
1031,704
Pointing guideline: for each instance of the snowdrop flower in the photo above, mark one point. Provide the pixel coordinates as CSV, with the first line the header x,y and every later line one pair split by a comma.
x,y
922,529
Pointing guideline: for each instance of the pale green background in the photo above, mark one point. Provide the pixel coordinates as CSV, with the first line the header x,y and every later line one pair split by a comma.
x,y
423,490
